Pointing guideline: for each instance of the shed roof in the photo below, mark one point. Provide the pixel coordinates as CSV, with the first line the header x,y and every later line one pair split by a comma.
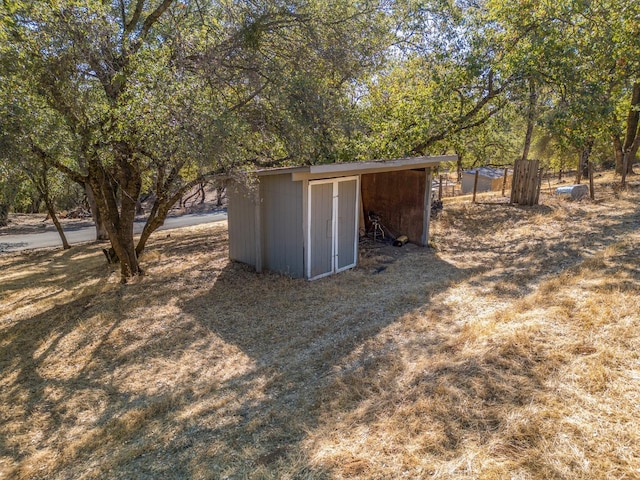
x,y
486,172
354,168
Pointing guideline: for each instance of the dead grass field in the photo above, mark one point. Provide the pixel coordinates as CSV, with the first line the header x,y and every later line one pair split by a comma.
x,y
509,350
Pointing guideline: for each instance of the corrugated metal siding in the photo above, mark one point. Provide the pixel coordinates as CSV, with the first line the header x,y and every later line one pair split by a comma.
x,y
241,220
282,230
485,184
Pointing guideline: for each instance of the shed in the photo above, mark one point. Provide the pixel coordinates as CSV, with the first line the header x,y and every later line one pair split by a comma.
x,y
305,221
489,179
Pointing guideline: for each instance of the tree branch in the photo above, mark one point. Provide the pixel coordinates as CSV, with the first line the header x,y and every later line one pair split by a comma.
x,y
49,160
128,28
461,123
123,14
154,16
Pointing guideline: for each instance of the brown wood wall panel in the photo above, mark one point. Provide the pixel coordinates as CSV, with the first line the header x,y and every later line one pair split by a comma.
x,y
398,197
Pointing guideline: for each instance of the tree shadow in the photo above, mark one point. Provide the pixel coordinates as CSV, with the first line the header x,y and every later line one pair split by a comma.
x,y
71,368
517,263
232,370
298,334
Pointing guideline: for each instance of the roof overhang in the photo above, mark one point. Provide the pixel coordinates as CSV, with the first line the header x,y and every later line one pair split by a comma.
x,y
314,172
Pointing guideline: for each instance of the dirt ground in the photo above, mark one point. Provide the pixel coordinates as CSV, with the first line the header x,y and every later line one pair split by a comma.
x,y
508,349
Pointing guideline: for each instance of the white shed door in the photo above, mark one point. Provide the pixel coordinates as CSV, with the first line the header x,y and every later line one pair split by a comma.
x,y
332,226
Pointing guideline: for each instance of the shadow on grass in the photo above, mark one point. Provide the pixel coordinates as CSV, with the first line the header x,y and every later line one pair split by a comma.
x,y
231,379
93,367
519,263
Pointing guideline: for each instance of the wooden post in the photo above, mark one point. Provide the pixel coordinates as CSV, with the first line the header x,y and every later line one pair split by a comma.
x,y
426,216
440,189
514,182
591,190
504,180
537,197
475,185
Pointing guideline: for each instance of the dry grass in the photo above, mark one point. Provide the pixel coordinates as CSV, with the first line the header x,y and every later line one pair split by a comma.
x,y
511,351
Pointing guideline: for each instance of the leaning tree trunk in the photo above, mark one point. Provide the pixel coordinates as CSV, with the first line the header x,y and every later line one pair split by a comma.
x,y
157,216
167,195
41,183
52,213
629,159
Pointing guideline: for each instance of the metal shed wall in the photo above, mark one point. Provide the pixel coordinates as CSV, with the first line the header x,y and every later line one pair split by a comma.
x,y
282,228
241,217
269,227
486,183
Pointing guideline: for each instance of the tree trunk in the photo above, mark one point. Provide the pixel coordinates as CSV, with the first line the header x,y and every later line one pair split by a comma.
x,y
220,192
52,213
166,197
629,159
156,219
203,193
618,153
626,151
116,202
583,161
101,229
531,118
4,214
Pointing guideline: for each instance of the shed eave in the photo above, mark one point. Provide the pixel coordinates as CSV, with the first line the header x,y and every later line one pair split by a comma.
x,y
356,168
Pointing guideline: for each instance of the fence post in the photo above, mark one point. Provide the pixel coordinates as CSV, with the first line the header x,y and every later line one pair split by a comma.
x,y
475,185
540,175
504,180
592,193
527,178
514,182
440,188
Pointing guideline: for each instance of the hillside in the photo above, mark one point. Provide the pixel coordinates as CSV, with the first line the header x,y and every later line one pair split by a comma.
x,y
508,350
